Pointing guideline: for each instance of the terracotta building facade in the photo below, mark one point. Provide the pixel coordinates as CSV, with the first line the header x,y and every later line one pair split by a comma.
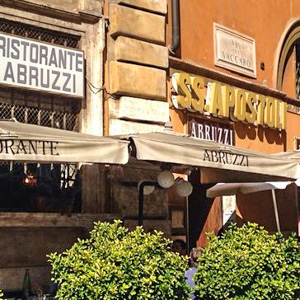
x,y
230,78
226,72
228,50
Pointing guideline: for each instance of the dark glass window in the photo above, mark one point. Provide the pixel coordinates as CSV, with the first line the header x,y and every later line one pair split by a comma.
x,y
39,188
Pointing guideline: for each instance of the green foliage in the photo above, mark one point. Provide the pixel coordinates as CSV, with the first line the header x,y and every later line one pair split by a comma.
x,y
1,295
115,264
247,263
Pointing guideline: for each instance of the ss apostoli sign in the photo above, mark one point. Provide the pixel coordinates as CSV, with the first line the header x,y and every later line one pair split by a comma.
x,y
40,66
200,95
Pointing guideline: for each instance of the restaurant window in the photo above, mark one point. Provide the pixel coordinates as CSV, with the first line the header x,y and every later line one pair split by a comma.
x,y
39,187
51,188
35,108
41,34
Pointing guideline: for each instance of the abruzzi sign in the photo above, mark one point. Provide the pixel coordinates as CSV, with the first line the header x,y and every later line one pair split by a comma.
x,y
200,95
204,129
40,66
226,158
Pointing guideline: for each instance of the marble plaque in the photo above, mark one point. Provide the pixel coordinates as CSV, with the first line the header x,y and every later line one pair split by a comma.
x,y
234,51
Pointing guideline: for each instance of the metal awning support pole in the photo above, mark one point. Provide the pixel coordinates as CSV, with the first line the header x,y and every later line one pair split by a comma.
x,y
276,210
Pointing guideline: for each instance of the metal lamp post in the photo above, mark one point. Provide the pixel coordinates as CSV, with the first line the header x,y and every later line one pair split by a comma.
x,y
141,199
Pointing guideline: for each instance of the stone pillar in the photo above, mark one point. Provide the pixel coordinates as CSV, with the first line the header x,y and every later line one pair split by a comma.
x,y
137,102
137,64
92,112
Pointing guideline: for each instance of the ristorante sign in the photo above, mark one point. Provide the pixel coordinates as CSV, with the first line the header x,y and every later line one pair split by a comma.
x,y
17,147
40,66
203,96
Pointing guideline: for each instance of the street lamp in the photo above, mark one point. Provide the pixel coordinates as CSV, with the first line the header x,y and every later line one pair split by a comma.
x,y
141,187
183,188
165,179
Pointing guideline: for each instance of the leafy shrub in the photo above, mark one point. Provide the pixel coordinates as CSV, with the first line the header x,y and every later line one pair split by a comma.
x,y
1,295
247,263
117,264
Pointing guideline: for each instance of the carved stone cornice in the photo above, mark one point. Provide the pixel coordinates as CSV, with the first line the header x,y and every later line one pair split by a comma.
x,y
53,12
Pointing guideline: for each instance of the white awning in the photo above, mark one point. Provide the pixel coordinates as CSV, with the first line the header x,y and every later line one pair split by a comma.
x,y
227,189
32,143
218,162
292,155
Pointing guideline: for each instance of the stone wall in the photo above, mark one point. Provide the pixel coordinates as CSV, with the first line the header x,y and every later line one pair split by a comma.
x,y
137,64
137,100
23,245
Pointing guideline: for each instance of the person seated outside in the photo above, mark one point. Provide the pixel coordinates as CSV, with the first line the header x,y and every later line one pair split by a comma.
x,y
189,274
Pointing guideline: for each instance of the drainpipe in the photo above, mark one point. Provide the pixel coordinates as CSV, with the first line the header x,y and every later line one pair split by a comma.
x,y
175,26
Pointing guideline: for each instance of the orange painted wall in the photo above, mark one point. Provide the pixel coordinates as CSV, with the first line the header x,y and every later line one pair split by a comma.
x,y
267,22
258,208
263,20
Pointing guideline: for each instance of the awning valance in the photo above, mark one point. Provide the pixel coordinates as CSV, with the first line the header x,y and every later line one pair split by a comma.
x,y
220,163
227,189
32,143
292,155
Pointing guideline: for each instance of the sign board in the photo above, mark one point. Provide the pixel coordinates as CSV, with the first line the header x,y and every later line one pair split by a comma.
x,y
204,96
228,209
36,65
204,129
234,51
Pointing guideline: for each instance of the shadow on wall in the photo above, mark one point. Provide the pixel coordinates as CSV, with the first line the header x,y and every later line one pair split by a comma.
x,y
258,208
205,214
271,136
26,248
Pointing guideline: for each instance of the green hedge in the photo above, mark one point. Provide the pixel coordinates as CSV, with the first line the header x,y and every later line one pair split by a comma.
x,y
247,263
116,264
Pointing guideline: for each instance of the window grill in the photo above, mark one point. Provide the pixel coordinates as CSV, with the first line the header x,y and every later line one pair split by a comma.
x,y
31,115
37,108
45,35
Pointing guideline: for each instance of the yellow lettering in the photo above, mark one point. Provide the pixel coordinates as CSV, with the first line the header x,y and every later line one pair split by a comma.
x,y
228,99
283,114
240,105
198,86
184,97
277,123
229,102
270,112
260,109
251,115
215,105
